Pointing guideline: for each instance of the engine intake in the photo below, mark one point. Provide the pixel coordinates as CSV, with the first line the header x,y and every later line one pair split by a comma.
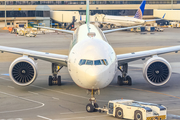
x,y
157,71
23,71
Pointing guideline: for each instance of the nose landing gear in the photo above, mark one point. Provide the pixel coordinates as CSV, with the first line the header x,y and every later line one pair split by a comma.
x,y
92,106
125,79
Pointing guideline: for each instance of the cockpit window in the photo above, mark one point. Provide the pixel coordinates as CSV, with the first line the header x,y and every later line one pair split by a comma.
x,y
106,61
93,62
97,62
89,62
103,62
82,62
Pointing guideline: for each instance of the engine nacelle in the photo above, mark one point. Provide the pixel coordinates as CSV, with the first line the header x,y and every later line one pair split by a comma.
x,y
23,71
157,71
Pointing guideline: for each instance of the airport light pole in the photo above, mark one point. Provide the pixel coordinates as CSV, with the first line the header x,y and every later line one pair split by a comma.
x,y
5,14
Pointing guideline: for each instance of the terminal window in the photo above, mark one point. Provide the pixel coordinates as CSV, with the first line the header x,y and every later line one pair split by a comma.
x,y
84,2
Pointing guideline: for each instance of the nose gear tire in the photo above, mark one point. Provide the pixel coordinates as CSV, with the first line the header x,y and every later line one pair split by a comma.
x,y
95,106
89,108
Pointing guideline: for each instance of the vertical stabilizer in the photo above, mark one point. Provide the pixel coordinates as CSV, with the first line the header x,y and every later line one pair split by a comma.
x,y
80,18
87,12
140,11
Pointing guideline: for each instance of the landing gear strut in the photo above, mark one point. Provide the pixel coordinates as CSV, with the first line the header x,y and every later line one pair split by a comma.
x,y
55,80
91,107
125,79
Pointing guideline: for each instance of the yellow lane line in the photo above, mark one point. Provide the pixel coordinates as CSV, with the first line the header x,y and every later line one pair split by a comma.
x,y
153,92
149,91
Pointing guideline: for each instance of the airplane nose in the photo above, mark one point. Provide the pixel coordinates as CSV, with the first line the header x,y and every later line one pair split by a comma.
x,y
93,74
96,77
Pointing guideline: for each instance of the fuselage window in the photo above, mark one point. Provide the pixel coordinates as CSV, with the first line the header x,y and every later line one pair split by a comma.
x,y
89,62
97,62
82,62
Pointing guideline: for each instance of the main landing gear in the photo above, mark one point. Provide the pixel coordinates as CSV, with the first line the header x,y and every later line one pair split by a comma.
x,y
91,107
125,79
55,80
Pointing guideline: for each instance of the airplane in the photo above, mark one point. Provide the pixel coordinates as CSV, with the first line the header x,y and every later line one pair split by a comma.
x,y
92,62
124,21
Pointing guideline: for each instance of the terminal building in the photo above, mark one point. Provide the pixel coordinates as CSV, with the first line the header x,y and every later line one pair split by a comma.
x,y
24,12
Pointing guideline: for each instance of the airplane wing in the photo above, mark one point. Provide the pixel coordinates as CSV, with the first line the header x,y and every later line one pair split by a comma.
x,y
114,30
54,58
155,19
152,20
129,57
60,30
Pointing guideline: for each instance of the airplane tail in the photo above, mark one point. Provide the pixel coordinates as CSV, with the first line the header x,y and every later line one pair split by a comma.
x,y
140,11
87,12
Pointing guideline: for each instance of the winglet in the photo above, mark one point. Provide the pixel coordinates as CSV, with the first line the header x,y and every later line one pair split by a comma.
x,y
140,11
164,15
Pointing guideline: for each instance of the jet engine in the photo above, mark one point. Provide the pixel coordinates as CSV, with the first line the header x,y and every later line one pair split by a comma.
x,y
157,71
23,71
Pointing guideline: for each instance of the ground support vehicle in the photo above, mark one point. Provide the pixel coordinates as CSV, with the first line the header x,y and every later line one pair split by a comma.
x,y
150,28
30,35
159,29
136,110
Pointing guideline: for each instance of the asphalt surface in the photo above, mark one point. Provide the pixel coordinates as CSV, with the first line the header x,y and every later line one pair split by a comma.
x,y
67,102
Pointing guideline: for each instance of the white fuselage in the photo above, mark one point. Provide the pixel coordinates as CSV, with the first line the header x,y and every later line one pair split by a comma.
x,y
91,74
123,20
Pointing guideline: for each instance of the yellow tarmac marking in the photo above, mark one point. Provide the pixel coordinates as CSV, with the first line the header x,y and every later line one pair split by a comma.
x,y
149,91
137,89
154,92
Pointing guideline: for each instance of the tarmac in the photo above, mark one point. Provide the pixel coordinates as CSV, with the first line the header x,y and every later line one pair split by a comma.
x,y
39,101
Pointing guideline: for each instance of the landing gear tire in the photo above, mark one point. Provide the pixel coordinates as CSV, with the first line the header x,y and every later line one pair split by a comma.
x,y
128,78
55,80
125,79
90,108
109,26
138,115
50,80
95,106
100,26
119,113
59,80
120,80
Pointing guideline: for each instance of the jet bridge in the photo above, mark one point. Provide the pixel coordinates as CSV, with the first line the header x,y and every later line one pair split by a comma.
x,y
172,15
